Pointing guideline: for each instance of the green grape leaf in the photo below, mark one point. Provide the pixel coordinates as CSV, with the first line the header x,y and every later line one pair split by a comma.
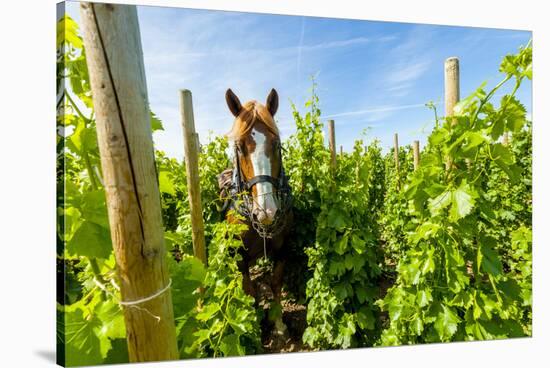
x,y
67,31
94,208
439,203
156,124
358,244
337,218
112,320
73,220
90,240
341,245
502,154
237,319
231,346
424,297
365,318
446,323
473,140
462,202
166,183
490,262
418,326
208,311
81,343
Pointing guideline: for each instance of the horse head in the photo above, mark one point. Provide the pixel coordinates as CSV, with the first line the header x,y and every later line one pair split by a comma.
x,y
257,148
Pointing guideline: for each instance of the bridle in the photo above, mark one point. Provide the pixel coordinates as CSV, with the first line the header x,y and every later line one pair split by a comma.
x,y
242,199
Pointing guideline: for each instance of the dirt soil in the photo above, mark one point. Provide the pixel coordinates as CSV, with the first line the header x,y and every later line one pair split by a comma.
x,y
294,314
294,317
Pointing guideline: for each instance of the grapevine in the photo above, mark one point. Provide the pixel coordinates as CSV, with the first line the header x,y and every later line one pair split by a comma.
x,y
378,256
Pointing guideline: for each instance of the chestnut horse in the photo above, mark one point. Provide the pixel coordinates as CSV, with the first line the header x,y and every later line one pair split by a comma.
x,y
257,188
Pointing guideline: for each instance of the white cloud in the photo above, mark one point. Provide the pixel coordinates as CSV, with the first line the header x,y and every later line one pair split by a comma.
x,y
377,109
404,73
208,52
412,58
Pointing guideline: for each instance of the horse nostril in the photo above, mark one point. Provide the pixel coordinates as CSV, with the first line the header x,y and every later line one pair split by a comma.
x,y
271,213
268,217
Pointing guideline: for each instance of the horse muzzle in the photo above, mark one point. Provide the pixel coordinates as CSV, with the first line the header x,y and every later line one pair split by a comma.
x,y
265,217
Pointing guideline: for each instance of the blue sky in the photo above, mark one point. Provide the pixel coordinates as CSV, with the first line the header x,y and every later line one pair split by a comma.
x,y
375,75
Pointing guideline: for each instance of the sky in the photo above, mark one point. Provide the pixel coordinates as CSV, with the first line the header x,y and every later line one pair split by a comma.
x,y
370,74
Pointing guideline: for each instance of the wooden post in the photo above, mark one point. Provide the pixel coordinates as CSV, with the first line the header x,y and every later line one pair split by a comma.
x,y
452,85
190,140
332,143
396,156
117,76
416,154
452,93
341,151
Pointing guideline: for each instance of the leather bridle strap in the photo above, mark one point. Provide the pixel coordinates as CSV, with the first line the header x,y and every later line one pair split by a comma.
x,y
262,179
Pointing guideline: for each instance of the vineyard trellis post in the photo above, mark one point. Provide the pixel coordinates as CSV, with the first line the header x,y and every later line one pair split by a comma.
x,y
452,92
115,63
452,85
191,147
332,143
396,156
416,154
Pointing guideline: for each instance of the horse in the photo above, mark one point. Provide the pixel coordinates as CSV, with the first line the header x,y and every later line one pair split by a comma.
x,y
257,188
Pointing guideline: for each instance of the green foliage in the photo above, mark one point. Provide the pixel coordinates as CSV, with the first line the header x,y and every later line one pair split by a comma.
x,y
343,258
454,235
226,322
395,218
214,317
457,279
304,157
213,159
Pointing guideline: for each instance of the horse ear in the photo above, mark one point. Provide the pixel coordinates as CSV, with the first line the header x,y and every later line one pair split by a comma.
x,y
272,103
233,102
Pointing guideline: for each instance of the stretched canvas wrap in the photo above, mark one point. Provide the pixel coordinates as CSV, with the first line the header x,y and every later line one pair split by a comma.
x,y
236,184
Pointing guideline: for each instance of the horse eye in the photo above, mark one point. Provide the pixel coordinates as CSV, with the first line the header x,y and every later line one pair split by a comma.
x,y
241,147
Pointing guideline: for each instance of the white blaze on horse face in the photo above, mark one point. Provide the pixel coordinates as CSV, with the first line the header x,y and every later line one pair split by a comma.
x,y
264,204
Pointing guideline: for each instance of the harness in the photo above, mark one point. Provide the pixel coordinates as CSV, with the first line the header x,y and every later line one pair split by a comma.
x,y
238,196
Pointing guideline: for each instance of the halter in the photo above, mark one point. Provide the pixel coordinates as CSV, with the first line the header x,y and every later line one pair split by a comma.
x,y
242,189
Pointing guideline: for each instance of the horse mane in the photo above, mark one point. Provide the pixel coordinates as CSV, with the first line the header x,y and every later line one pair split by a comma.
x,y
251,113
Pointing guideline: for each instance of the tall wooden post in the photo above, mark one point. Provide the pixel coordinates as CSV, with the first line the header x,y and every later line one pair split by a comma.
x,y
396,151
452,85
416,154
115,64
332,143
191,141
452,93
396,156
341,151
